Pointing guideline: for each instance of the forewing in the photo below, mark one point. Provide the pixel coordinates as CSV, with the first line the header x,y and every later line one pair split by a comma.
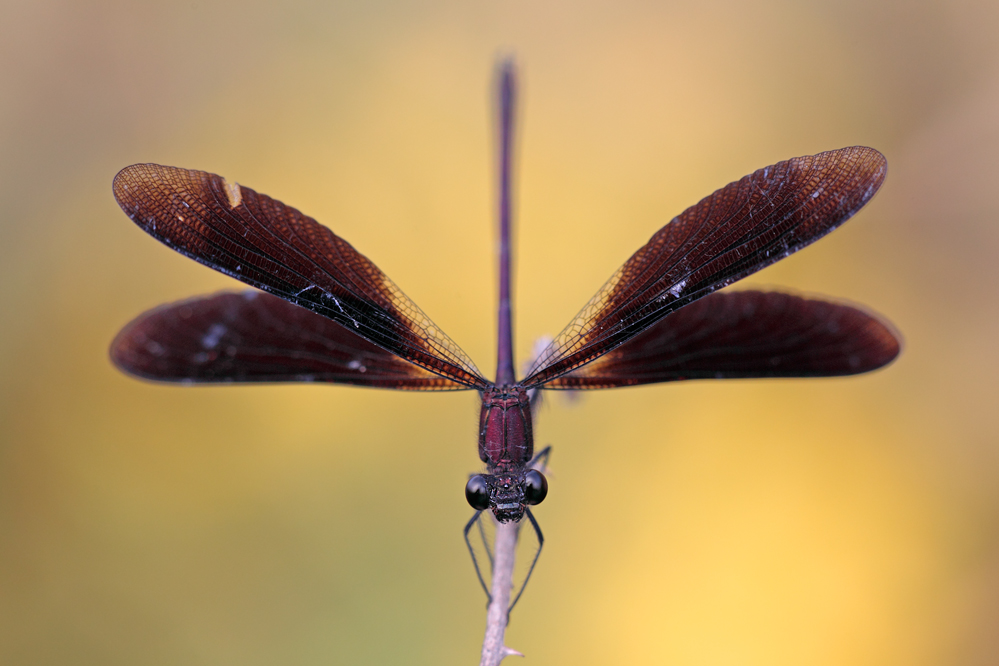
x,y
255,337
744,334
274,247
741,228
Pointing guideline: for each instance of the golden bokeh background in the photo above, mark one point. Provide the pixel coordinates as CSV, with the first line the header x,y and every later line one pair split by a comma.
x,y
843,521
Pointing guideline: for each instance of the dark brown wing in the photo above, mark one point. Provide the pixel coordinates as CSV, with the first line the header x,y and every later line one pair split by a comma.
x,y
744,334
274,247
741,228
255,337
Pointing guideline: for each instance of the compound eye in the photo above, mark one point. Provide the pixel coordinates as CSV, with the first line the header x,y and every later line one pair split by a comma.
x,y
477,493
535,487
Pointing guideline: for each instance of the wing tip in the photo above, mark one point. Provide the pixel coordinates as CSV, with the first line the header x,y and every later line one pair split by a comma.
x,y
121,185
889,340
130,175
869,164
123,356
129,184
126,353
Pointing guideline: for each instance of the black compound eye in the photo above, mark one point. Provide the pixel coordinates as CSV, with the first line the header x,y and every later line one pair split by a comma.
x,y
535,487
477,493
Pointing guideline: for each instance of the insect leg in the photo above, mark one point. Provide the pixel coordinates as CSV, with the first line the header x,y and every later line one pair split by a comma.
x,y
541,543
471,551
540,461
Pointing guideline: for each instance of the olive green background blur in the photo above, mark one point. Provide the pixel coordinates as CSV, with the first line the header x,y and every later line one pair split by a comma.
x,y
842,521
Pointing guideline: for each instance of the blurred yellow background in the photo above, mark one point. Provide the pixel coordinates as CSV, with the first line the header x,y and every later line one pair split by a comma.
x,y
843,521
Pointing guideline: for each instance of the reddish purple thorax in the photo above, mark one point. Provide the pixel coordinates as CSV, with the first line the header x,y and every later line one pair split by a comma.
x,y
506,445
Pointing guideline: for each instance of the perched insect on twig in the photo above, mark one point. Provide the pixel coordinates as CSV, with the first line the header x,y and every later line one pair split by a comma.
x,y
326,313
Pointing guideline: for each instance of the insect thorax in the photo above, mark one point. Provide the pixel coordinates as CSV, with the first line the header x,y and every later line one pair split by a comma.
x,y
506,441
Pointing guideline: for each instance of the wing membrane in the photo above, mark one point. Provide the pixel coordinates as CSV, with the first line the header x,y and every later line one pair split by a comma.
x,y
744,334
271,246
741,228
255,337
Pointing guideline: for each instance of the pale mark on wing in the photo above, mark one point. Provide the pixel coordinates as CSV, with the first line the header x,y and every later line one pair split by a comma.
x,y
233,193
155,348
211,339
336,301
327,296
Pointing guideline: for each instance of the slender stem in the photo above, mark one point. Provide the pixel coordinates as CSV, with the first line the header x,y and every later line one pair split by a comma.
x,y
493,650
507,91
